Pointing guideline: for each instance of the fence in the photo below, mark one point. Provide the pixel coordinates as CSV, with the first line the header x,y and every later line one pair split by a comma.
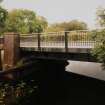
x,y
68,39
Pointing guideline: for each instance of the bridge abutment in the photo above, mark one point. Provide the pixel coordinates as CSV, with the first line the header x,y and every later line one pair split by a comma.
x,y
11,50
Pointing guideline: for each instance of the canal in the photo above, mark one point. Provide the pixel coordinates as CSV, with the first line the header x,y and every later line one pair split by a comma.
x,y
86,68
50,84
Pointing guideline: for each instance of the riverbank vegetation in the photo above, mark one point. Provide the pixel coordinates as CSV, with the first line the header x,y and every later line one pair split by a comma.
x,y
16,93
99,36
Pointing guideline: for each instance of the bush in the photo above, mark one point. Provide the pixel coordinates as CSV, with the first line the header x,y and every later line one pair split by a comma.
x,y
14,94
99,50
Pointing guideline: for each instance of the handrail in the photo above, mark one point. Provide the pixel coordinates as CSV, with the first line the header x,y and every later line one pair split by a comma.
x,y
63,39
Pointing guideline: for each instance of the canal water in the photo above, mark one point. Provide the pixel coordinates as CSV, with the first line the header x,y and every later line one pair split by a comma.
x,y
86,68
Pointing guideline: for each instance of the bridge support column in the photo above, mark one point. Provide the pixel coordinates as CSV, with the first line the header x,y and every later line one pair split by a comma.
x,y
11,50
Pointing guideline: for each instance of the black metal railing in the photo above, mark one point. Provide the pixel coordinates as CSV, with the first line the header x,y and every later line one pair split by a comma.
x,y
63,40
58,40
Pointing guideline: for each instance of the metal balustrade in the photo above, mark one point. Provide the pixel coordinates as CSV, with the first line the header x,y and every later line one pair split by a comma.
x,y
64,40
57,40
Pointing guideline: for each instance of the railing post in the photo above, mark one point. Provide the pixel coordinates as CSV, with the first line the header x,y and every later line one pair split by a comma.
x,y
11,50
0,59
39,49
66,41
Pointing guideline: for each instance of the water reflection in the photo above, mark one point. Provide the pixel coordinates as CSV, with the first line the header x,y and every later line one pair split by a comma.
x,y
86,68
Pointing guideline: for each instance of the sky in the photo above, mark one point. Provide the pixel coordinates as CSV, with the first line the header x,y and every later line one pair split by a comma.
x,y
60,10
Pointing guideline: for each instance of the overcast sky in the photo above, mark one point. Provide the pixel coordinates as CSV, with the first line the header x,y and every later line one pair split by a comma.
x,y
60,10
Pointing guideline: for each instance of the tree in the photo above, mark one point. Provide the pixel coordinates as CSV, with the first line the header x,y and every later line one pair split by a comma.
x,y
41,24
99,35
23,21
101,16
3,16
68,26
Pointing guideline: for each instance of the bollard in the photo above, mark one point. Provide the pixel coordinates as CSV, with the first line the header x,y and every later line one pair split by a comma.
x,y
11,50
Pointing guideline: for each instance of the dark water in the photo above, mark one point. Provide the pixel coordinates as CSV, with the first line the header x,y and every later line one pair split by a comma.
x,y
59,87
87,68
55,86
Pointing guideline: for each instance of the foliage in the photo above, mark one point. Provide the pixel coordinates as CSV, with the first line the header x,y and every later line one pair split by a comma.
x,y
99,53
101,16
14,94
24,21
41,24
99,36
67,26
99,50
3,15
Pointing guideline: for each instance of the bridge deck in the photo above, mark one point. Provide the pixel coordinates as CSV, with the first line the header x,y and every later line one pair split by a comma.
x,y
74,45
56,47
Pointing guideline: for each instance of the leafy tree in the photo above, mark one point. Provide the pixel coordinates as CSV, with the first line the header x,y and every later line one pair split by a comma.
x,y
3,15
68,26
101,16
24,21
41,24
99,36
